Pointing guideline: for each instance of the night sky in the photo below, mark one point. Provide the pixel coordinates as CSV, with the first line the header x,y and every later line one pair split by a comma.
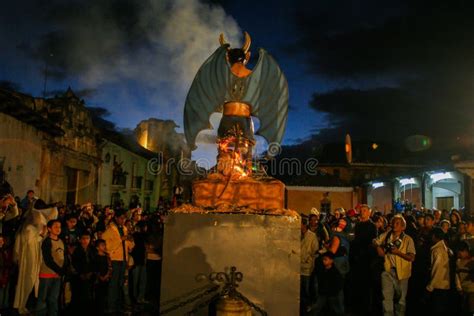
x,y
379,70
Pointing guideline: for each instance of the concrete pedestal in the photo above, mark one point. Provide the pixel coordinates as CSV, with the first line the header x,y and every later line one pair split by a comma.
x,y
265,248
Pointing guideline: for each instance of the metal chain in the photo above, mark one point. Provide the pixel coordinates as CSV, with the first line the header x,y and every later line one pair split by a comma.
x,y
185,295
204,304
190,300
253,305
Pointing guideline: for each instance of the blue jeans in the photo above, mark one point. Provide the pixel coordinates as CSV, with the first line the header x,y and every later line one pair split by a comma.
x,y
336,303
115,292
305,291
48,296
139,282
394,292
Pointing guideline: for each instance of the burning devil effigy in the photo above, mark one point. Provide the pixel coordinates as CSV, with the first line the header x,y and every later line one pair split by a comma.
x,y
237,217
224,84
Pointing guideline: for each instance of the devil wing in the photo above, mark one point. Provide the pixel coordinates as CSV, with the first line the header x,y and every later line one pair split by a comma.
x,y
267,92
207,93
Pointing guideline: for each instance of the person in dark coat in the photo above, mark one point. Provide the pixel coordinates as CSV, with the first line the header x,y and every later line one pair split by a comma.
x,y
139,258
103,273
83,281
330,287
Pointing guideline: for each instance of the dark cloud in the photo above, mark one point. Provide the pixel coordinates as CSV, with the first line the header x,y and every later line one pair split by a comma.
x,y
392,114
85,33
418,37
407,70
140,55
99,118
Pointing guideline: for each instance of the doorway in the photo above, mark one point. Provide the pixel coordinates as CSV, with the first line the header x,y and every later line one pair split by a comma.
x,y
71,193
445,203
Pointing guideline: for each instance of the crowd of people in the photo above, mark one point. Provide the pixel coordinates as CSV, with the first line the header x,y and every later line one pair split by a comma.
x,y
87,259
406,262
78,259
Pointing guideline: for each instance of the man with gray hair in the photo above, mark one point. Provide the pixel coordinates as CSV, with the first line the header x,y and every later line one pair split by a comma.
x,y
398,250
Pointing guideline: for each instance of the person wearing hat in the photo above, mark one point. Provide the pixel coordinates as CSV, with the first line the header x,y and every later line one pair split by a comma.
x,y
317,227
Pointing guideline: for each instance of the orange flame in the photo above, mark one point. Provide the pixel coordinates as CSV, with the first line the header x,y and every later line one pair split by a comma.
x,y
238,162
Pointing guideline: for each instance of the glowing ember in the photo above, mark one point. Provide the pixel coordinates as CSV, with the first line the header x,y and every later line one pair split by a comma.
x,y
232,159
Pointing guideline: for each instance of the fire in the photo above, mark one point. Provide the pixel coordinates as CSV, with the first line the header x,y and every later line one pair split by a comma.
x,y
231,159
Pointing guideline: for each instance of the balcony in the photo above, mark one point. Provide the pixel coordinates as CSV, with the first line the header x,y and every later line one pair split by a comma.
x,y
119,181
137,183
149,185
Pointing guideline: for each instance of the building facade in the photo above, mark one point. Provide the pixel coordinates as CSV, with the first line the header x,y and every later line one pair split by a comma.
x,y
161,138
125,178
49,146
52,147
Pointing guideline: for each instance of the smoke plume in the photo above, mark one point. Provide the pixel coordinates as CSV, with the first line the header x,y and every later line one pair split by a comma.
x,y
140,56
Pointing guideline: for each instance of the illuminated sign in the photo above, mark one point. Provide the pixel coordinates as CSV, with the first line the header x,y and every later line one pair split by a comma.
x,y
407,181
441,176
377,185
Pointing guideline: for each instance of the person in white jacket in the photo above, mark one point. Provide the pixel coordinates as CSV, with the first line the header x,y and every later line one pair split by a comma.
x,y
443,281
309,247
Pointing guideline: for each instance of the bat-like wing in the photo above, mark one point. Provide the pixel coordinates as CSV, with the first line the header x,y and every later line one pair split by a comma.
x,y
267,92
206,95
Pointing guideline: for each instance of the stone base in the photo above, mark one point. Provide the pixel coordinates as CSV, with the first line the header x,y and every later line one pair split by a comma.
x,y
265,248
248,192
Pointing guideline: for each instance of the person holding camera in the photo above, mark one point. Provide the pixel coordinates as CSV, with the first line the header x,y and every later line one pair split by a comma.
x,y
398,250
8,207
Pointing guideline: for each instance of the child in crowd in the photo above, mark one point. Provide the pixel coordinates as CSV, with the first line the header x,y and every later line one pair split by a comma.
x,y
330,287
103,269
51,270
83,279
71,232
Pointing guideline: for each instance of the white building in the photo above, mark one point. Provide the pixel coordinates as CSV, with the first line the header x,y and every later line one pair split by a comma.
x,y
134,181
53,147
